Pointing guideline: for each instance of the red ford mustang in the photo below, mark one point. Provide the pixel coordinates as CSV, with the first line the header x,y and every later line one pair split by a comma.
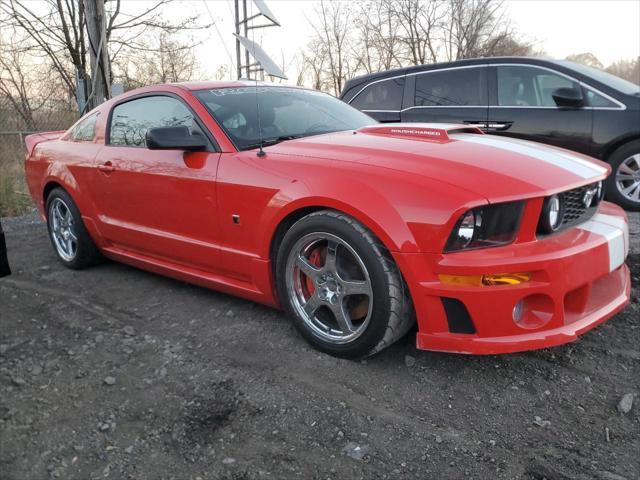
x,y
359,230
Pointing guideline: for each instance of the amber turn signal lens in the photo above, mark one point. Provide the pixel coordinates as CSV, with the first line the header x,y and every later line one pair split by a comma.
x,y
506,278
485,280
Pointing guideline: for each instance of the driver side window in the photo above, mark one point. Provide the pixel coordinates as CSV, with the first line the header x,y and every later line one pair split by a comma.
x,y
131,120
521,86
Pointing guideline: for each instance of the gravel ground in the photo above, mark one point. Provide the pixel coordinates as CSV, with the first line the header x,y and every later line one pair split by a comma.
x,y
117,373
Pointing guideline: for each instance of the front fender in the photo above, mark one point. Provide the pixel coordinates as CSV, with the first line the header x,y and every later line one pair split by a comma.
x,y
409,214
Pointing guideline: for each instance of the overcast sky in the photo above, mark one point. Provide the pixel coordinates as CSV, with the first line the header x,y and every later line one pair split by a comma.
x,y
608,28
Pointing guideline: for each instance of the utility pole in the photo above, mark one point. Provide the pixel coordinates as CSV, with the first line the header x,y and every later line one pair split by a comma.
x,y
238,60
98,52
246,23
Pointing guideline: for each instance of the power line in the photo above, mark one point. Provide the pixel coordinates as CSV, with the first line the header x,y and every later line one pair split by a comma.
x,y
215,25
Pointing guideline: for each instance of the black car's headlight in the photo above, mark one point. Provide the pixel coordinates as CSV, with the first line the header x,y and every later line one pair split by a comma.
x,y
486,226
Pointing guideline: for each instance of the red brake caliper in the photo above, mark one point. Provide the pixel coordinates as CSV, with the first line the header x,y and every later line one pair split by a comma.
x,y
314,259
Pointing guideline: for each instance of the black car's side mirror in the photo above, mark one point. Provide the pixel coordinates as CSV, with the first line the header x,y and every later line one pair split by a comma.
x,y
568,97
174,138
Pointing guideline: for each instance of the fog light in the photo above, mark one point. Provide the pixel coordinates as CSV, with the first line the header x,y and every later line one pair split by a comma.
x,y
552,214
517,311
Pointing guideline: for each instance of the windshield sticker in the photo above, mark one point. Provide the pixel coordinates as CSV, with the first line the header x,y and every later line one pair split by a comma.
x,y
220,92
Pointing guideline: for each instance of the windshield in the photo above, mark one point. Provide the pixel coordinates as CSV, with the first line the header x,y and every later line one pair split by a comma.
x,y
601,76
285,113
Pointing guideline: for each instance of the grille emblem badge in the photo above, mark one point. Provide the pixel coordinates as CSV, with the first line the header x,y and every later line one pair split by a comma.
x,y
588,197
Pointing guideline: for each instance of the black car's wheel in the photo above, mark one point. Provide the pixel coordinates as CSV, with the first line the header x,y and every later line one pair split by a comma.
x,y
69,237
341,287
623,185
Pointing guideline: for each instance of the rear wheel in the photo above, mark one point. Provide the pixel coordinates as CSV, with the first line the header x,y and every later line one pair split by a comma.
x,y
69,237
341,286
623,185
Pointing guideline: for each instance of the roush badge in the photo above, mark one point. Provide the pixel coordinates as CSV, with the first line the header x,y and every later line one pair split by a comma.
x,y
589,195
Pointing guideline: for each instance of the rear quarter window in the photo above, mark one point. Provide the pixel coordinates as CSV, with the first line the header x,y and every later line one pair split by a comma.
x,y
85,130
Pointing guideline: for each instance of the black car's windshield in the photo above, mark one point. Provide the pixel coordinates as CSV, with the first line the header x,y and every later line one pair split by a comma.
x,y
285,113
608,79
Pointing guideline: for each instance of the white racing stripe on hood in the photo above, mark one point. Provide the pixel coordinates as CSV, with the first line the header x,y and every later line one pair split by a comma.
x,y
571,163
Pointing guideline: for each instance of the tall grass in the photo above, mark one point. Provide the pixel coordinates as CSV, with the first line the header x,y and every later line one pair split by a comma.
x,y
14,195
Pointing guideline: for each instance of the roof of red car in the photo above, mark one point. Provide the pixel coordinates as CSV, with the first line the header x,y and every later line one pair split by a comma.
x,y
225,84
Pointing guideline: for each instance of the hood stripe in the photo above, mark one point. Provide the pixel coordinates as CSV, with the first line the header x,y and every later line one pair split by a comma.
x,y
564,160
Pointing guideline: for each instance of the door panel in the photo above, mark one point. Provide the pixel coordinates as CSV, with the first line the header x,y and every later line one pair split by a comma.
x,y
160,203
522,106
456,95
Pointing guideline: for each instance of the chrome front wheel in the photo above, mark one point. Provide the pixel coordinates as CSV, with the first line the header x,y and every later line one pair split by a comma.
x,y
329,287
62,230
340,286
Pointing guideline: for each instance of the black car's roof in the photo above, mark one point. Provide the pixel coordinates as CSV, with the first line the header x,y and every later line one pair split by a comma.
x,y
560,65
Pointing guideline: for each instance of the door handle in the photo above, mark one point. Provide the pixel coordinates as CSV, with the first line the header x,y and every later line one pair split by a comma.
x,y
499,126
476,123
106,167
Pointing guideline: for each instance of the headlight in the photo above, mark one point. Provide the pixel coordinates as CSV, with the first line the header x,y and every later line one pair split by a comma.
x,y
468,227
487,226
552,214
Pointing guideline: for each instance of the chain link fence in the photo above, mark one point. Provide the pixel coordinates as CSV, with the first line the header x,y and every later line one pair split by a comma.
x,y
17,120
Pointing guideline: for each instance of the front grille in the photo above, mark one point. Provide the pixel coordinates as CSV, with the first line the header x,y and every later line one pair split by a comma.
x,y
575,212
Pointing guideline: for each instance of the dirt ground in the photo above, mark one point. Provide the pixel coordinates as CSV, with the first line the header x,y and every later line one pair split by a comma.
x,y
116,373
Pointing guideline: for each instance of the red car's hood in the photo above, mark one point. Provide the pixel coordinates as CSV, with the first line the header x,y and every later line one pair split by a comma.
x,y
497,168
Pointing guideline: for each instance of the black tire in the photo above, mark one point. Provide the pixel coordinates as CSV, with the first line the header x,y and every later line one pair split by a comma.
x,y
392,314
87,253
615,160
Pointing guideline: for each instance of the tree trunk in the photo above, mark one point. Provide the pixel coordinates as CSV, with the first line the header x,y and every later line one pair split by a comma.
x,y
100,86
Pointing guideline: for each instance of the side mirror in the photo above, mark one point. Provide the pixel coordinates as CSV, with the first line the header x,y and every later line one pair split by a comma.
x,y
174,138
568,97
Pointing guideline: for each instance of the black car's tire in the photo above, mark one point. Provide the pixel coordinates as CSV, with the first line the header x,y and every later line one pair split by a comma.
x,y
378,317
619,160
83,252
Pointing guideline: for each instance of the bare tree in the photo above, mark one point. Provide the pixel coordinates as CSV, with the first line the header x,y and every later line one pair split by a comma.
x,y
396,33
333,41
164,60
58,27
586,58
15,83
379,39
627,69
420,23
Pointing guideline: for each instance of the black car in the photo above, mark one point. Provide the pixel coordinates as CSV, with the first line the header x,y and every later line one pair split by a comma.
x,y
4,262
550,101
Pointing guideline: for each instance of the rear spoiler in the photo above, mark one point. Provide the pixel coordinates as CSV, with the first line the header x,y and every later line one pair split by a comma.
x,y
427,131
34,139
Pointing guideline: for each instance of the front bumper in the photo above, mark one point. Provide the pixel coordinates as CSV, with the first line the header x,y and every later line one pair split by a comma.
x,y
579,280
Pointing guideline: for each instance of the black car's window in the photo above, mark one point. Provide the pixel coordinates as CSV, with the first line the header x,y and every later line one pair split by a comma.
x,y
131,120
601,76
456,87
385,95
85,130
523,86
597,100
284,112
